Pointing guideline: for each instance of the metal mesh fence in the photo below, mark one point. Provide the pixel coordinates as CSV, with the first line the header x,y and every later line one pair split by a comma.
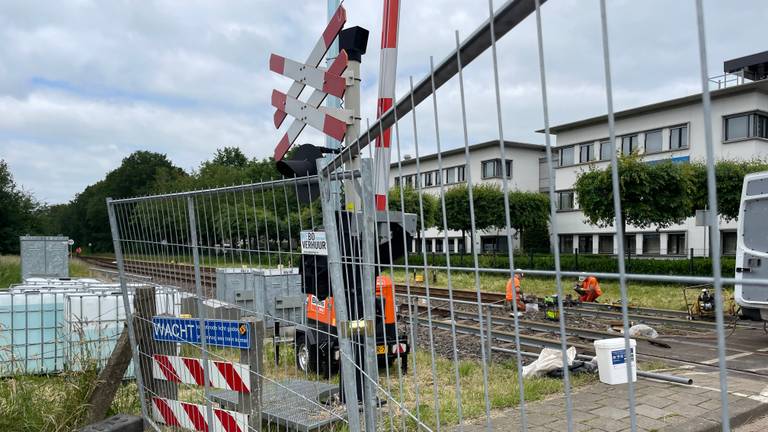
x,y
342,330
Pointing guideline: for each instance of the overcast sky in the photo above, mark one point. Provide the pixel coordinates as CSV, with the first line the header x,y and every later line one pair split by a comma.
x,y
85,83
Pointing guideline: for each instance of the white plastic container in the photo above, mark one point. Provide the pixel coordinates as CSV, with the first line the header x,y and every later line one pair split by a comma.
x,y
611,361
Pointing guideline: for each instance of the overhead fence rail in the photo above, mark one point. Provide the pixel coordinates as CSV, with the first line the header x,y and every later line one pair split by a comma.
x,y
301,306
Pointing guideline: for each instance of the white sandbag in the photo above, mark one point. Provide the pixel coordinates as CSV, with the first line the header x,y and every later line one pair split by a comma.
x,y
642,330
549,359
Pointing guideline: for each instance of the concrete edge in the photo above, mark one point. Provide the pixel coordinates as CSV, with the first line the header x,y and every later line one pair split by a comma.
x,y
738,418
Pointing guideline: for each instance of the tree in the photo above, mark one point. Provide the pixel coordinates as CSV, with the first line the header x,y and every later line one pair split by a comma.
x,y
529,214
410,200
729,176
488,203
651,194
230,156
17,211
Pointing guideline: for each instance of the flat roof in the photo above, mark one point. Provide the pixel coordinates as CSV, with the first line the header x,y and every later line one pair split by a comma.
x,y
760,86
473,147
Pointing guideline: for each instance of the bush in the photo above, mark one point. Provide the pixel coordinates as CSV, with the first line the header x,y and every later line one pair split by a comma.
x,y
586,263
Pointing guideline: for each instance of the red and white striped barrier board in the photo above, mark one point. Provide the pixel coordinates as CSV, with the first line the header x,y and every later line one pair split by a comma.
x,y
221,375
387,73
311,76
331,122
315,99
316,56
194,416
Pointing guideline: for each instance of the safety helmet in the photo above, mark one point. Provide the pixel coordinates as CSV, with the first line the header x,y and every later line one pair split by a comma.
x,y
582,277
520,272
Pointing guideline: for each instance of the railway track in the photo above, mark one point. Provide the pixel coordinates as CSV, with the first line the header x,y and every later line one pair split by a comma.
x,y
182,275
669,317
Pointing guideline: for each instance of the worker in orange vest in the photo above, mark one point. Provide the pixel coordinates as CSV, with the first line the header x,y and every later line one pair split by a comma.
x,y
515,294
588,288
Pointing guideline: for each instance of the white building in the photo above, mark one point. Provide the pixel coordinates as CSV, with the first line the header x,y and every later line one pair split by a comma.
x,y
672,129
523,161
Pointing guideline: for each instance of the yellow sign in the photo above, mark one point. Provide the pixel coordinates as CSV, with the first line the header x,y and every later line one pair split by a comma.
x,y
381,349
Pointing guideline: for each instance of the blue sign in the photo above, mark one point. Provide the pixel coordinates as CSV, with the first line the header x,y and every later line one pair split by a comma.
x,y
233,334
618,357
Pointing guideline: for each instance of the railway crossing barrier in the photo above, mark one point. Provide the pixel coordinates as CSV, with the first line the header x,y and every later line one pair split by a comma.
x,y
358,358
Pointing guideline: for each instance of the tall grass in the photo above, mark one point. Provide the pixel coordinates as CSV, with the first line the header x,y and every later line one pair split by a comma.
x,y
10,269
56,403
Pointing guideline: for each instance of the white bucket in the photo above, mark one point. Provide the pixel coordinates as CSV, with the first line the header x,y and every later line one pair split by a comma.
x,y
611,362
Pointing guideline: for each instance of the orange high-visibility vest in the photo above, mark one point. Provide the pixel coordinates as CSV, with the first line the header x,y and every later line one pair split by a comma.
x,y
510,296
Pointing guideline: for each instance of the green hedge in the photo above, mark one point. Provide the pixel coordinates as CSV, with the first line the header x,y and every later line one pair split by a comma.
x,y
588,263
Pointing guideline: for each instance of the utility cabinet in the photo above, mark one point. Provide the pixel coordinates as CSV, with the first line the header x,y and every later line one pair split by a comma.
x,y
274,294
44,256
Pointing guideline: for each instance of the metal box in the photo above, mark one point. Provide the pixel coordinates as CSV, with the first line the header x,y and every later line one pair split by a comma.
x,y
271,294
44,256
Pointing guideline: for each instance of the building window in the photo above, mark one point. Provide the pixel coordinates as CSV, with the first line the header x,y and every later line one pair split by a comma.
x,y
605,150
761,126
605,244
585,153
676,244
454,174
492,168
566,156
653,141
493,243
628,144
585,244
397,181
566,243
651,244
746,126
565,200
737,127
450,175
630,244
728,242
427,176
409,181
678,138
439,243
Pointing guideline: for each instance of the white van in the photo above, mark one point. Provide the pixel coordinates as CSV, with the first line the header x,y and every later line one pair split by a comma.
x,y
752,247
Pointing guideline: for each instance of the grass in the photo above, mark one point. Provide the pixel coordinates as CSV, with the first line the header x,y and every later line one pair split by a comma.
x,y
10,269
503,388
660,296
56,403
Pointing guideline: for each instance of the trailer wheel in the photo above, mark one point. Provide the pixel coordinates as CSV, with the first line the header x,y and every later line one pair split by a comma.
x,y
306,359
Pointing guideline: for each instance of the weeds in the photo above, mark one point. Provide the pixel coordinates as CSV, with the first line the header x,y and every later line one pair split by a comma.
x,y
56,403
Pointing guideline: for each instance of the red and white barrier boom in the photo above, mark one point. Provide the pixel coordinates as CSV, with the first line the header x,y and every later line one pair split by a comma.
x,y
387,74
332,122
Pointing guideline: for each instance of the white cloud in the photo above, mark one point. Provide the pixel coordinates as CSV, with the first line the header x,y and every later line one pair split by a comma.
x,y
84,83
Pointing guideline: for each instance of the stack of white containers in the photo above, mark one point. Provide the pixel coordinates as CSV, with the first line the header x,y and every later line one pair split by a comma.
x,y
51,325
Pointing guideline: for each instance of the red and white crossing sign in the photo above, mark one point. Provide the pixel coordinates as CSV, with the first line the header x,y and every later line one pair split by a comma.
x,y
332,122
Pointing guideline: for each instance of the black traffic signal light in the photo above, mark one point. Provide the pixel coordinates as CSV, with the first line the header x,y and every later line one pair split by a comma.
x,y
302,163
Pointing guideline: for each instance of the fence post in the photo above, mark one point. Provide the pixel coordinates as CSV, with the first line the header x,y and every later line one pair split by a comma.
x,y
126,304
368,292
489,335
200,307
348,383
250,403
690,262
